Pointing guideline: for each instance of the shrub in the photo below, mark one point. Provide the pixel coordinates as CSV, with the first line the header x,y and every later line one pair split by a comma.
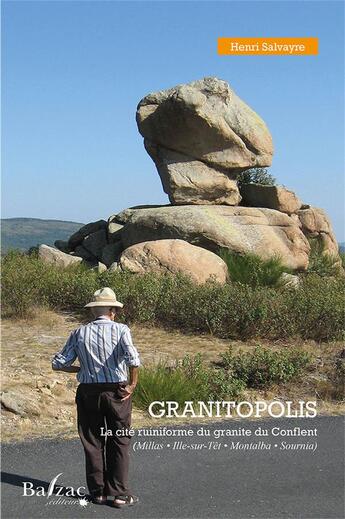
x,y
231,311
159,383
250,269
20,277
342,258
333,388
318,308
191,380
256,176
28,282
322,263
211,383
263,367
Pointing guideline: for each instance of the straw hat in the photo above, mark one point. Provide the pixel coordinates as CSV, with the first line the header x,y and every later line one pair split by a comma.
x,y
104,297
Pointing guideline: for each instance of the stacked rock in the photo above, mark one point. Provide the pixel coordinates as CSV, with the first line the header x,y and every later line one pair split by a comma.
x,y
98,244
201,136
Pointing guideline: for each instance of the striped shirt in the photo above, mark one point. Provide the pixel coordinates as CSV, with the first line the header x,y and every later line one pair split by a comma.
x,y
104,349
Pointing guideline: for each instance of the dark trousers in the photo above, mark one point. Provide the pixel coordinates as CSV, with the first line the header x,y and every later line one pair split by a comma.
x,y
106,458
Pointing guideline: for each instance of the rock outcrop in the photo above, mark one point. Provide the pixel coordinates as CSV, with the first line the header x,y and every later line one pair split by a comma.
x,y
78,237
111,252
63,246
173,256
114,230
317,225
19,402
96,243
272,197
57,257
264,232
201,133
192,181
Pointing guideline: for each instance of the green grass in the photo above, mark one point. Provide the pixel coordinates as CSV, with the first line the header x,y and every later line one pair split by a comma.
x,y
250,269
231,311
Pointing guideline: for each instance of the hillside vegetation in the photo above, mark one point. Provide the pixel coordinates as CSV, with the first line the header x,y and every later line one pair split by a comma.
x,y
315,310
23,233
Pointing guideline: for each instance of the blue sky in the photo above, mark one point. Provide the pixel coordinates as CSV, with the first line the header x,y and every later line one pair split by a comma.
x,y
73,73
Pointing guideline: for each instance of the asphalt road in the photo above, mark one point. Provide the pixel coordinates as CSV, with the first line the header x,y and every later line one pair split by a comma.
x,y
185,483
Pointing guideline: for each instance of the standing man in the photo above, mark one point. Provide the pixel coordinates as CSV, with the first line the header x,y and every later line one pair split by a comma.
x,y
104,349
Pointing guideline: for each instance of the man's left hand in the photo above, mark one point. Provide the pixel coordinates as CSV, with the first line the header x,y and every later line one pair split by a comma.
x,y
129,389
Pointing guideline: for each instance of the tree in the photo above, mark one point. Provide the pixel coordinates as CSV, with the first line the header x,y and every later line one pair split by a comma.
x,y
256,176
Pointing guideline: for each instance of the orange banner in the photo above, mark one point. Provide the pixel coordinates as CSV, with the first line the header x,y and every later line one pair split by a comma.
x,y
267,46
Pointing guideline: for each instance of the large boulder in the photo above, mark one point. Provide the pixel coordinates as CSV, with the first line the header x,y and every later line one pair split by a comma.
x,y
63,246
173,256
192,181
111,253
273,197
199,133
90,228
56,257
316,225
85,254
95,243
265,232
114,229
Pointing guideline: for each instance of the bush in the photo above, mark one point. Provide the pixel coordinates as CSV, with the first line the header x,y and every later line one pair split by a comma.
x,y
319,308
263,367
28,282
231,311
211,383
191,380
256,176
322,263
342,259
333,388
159,383
250,269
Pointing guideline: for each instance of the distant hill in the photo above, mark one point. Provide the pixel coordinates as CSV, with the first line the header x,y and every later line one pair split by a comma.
x,y
342,246
23,233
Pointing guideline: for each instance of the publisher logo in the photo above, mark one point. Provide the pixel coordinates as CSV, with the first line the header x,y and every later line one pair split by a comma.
x,y
268,46
56,494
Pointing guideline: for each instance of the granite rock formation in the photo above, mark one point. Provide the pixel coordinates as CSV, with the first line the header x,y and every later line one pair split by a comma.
x,y
174,256
241,229
200,136
272,197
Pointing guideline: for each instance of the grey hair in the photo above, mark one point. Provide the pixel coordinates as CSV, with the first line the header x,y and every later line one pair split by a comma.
x,y
101,310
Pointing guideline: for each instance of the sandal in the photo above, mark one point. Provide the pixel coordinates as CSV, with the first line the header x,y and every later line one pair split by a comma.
x,y
99,500
129,500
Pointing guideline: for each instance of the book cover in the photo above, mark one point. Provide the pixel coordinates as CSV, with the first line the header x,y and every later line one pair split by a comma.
x,y
172,259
